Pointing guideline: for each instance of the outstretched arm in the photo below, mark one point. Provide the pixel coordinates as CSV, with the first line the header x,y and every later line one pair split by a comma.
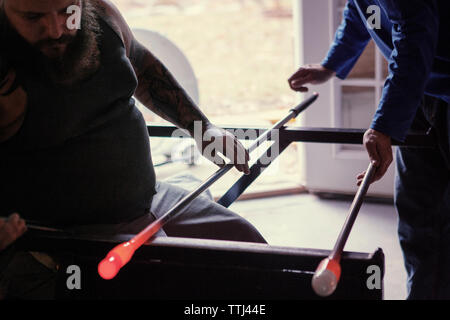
x,y
415,34
160,92
350,40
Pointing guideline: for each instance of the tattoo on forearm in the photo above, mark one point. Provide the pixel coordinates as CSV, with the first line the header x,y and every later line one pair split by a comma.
x,y
161,93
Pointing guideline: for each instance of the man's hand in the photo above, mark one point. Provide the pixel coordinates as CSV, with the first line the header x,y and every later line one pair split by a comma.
x,y
379,148
312,74
216,140
11,229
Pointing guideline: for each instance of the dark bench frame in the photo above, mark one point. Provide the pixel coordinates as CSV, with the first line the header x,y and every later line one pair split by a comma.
x,y
176,268
290,135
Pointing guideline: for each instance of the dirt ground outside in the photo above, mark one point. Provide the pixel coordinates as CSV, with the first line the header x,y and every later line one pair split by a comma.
x,y
241,50
242,53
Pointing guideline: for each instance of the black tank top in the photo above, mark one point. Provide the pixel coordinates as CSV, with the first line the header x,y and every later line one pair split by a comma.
x,y
82,155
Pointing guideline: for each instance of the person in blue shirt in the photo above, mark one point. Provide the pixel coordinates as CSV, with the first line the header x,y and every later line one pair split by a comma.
x,y
414,37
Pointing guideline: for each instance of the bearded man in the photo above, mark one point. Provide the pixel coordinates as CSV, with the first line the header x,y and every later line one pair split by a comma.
x,y
74,149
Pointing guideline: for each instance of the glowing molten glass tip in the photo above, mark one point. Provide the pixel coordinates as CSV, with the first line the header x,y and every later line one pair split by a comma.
x,y
109,267
122,253
326,277
324,283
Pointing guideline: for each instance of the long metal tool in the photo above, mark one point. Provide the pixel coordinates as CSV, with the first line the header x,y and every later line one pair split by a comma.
x,y
33,225
326,277
121,254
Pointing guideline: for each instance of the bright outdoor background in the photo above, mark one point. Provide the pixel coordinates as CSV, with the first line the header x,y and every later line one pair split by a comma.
x,y
242,53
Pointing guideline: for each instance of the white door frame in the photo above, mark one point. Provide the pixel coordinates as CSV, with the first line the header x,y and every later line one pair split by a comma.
x,y
327,167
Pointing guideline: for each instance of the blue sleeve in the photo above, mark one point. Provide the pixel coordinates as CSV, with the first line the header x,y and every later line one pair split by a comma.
x,y
350,40
414,37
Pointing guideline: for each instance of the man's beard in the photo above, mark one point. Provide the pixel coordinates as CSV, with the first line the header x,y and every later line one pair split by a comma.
x,y
80,59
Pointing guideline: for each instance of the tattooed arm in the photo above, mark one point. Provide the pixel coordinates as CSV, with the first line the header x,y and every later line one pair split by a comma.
x,y
160,92
157,90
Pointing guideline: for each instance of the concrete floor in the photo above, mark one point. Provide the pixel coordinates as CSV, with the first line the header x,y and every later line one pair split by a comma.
x,y
307,221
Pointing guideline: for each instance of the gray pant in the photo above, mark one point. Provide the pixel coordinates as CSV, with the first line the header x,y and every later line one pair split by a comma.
x,y
202,218
23,276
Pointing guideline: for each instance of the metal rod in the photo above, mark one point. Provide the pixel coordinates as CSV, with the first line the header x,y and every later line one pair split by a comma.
x,y
159,223
416,139
353,213
32,225
42,228
255,171
121,254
